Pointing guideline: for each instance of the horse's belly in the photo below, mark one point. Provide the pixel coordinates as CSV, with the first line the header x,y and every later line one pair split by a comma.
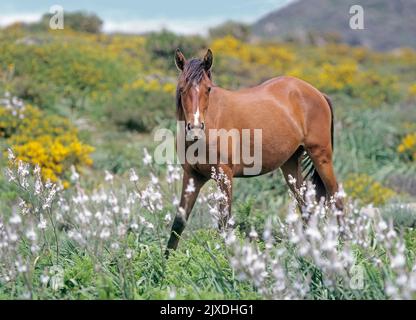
x,y
270,161
279,142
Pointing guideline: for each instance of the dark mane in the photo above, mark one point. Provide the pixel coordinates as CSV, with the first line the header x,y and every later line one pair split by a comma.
x,y
193,72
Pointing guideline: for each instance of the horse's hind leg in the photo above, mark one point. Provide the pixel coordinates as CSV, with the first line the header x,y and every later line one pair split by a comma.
x,y
321,156
293,168
319,145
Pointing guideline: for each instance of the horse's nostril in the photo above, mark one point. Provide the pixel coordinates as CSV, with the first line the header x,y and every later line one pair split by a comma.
x,y
202,126
188,126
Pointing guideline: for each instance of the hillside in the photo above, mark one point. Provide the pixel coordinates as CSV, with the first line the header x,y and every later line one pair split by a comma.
x,y
388,24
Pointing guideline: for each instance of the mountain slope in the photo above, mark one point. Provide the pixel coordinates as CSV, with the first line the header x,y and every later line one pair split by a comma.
x,y
388,24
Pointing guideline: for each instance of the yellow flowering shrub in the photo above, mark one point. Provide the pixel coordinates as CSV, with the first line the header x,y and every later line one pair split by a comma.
x,y
151,85
328,77
367,190
407,145
274,56
336,77
412,91
48,141
330,68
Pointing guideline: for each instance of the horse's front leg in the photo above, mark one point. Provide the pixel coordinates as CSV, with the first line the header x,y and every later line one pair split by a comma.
x,y
225,183
190,191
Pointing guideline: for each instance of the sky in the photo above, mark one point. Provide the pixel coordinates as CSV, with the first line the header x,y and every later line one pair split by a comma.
x,y
182,16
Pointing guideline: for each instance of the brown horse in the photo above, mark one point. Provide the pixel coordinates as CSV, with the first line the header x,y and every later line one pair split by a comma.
x,y
296,122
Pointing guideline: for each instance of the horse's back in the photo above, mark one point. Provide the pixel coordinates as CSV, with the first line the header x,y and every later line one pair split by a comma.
x,y
286,102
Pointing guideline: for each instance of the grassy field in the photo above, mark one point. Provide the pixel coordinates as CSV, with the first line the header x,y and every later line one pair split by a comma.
x,y
85,214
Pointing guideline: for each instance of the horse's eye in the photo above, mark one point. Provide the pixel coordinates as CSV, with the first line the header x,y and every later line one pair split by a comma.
x,y
209,89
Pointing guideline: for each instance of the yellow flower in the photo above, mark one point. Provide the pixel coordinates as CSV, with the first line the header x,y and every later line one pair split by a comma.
x,y
408,145
412,91
367,190
48,141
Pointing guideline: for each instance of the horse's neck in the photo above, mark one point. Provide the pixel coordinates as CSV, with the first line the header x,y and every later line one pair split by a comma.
x,y
217,106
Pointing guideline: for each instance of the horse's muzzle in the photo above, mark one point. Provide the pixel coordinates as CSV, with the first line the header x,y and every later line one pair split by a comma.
x,y
195,132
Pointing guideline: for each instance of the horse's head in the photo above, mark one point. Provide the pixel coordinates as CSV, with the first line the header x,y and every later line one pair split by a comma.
x,y
192,93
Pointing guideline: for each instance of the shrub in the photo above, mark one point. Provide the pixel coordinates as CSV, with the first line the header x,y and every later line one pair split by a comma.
x,y
237,30
375,89
274,56
78,21
162,45
366,190
50,73
142,105
407,146
332,69
412,92
48,141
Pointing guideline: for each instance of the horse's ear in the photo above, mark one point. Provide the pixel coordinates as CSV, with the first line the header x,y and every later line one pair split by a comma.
x,y
179,59
208,60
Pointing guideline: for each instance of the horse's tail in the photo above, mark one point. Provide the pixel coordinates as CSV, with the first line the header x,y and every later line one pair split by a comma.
x,y
307,165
